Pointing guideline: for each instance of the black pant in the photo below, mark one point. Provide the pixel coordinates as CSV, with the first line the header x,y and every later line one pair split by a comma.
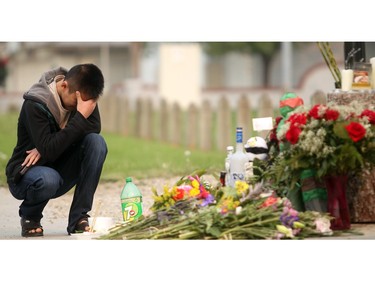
x,y
80,166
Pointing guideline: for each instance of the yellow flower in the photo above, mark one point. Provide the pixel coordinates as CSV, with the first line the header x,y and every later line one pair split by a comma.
x,y
195,184
194,191
158,199
297,224
174,191
285,230
241,187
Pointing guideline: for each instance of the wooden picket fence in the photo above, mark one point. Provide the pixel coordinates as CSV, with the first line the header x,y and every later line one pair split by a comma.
x,y
203,127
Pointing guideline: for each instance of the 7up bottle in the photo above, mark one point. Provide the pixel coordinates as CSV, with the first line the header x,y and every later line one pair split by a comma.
x,y
131,201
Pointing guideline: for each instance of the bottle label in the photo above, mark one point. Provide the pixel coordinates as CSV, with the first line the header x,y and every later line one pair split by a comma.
x,y
237,177
239,135
131,208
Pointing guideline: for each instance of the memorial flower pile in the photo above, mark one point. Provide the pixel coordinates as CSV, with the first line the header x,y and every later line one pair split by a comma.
x,y
191,187
330,139
196,209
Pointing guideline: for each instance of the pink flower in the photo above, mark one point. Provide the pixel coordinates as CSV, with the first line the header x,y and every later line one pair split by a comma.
x,y
293,212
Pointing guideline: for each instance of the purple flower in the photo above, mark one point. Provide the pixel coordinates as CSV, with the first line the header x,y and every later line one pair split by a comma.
x,y
288,220
208,200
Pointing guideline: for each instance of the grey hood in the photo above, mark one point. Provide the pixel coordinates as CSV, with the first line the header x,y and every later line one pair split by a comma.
x,y
40,92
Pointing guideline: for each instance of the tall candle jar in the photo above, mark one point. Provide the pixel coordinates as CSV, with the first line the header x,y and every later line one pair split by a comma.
x,y
361,76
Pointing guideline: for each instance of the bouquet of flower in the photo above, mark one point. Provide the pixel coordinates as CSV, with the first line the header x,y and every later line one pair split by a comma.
x,y
189,187
329,139
196,209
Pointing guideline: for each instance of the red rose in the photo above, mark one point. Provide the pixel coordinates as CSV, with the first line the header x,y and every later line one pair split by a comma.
x,y
369,114
273,135
297,119
277,120
332,114
356,131
314,112
292,135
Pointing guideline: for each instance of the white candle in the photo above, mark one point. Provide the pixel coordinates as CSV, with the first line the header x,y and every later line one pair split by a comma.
x,y
372,61
346,79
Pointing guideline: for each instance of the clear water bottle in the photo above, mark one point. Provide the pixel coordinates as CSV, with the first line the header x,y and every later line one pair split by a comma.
x,y
131,201
227,164
238,160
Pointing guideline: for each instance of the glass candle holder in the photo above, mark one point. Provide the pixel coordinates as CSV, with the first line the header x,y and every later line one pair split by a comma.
x,y
361,76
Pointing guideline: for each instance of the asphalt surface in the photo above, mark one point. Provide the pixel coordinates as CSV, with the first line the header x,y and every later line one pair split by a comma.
x,y
10,228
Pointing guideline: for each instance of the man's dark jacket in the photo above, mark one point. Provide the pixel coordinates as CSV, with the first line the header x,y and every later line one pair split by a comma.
x,y
38,127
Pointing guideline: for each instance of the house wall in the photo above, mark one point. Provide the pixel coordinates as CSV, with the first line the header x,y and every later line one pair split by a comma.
x,y
31,60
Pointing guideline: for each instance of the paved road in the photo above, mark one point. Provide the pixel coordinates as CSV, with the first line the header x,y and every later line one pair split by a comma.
x,y
10,228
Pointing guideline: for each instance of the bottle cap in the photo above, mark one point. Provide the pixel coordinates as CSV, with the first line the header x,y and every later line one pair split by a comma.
x,y
129,179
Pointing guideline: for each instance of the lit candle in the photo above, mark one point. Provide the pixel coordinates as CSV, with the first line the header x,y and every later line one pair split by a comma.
x,y
372,61
346,79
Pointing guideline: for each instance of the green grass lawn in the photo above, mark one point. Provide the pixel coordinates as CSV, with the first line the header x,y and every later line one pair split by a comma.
x,y
128,157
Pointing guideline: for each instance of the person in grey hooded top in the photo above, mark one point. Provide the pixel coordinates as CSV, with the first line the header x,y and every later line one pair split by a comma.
x,y
59,146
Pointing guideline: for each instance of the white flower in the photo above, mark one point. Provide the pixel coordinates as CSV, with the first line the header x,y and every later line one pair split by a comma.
x,y
323,225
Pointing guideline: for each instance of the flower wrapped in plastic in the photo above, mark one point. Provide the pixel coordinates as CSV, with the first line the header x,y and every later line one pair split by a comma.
x,y
243,212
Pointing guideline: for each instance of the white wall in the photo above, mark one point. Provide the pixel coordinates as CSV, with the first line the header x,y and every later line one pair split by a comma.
x,y
180,73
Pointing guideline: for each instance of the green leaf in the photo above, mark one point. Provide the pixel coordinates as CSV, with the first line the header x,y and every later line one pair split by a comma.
x,y
340,131
214,231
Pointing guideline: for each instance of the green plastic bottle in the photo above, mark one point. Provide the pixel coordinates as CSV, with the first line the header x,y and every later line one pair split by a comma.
x,y
131,201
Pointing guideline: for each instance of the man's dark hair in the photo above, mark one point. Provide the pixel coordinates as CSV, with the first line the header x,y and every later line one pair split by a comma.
x,y
86,78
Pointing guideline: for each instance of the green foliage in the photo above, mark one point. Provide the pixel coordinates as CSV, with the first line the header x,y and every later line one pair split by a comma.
x,y
339,130
262,48
8,125
266,50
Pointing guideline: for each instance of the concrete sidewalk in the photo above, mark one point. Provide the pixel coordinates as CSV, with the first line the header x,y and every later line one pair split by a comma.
x,y
56,218
10,228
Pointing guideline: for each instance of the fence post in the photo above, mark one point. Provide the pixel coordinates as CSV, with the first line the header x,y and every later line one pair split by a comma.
x,y
145,118
112,113
164,122
192,127
176,125
223,124
124,116
265,110
244,118
104,112
205,132
138,118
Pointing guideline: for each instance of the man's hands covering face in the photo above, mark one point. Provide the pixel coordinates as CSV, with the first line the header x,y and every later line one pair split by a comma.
x,y
85,107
